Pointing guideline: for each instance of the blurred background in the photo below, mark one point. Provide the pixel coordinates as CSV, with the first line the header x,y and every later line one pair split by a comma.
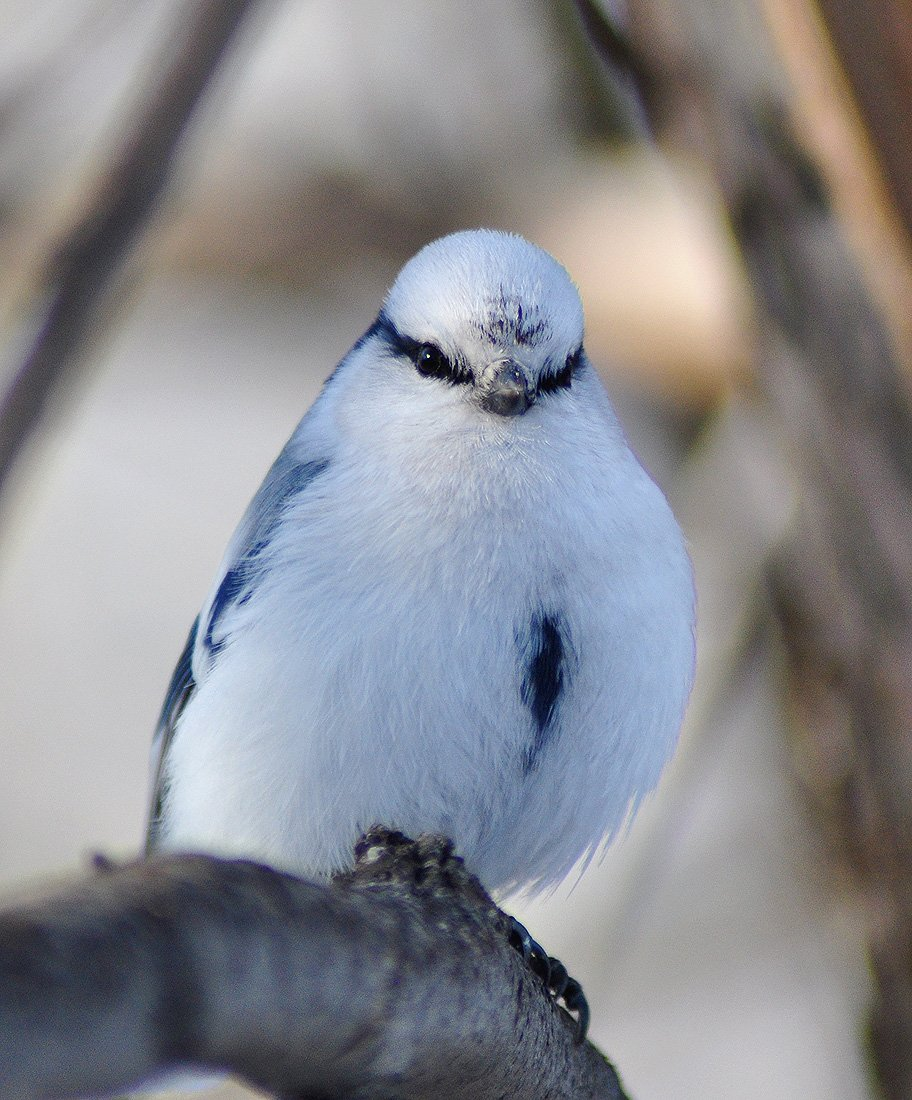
x,y
747,288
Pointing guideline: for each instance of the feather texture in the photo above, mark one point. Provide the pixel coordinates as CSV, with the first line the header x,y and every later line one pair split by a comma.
x,y
436,616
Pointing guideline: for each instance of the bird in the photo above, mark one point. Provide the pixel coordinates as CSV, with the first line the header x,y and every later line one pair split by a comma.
x,y
458,603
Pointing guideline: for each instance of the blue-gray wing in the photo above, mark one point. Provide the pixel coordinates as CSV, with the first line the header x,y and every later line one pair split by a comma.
x,y
211,632
287,479
180,689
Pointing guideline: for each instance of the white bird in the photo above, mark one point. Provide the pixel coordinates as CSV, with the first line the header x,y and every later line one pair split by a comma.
x,y
457,604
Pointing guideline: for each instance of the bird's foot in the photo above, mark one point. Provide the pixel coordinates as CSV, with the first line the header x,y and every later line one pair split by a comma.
x,y
553,975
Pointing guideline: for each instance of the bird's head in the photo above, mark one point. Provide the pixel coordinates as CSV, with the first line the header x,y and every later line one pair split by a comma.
x,y
484,320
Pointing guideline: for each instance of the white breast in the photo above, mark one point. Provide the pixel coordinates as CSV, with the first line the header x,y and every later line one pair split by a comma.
x,y
376,676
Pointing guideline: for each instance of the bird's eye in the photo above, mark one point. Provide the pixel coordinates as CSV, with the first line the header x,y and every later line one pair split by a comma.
x,y
431,362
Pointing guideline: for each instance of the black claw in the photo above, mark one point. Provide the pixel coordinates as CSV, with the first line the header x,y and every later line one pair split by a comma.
x,y
553,975
534,955
520,938
576,1002
558,978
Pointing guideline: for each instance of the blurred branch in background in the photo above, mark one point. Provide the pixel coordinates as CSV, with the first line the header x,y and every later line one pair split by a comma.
x,y
829,370
81,270
874,43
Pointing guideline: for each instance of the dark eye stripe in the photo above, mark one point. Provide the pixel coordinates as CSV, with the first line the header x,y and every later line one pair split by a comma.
x,y
563,378
425,355
445,369
397,342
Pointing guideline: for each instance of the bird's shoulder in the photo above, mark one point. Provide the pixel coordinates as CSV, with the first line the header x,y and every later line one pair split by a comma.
x,y
291,475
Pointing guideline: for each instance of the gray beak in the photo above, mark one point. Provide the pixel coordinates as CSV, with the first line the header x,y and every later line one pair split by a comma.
x,y
505,390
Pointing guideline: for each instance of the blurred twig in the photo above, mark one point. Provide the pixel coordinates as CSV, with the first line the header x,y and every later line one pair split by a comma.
x,y
630,78
874,42
82,267
825,363
395,980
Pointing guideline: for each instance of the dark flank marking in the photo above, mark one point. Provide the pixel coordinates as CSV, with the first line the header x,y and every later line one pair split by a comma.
x,y
286,480
543,682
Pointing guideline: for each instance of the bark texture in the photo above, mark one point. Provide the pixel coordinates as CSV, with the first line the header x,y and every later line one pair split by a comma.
x,y
396,981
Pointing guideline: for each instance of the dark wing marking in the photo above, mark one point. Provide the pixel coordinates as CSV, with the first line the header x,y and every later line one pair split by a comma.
x,y
543,650
179,691
287,478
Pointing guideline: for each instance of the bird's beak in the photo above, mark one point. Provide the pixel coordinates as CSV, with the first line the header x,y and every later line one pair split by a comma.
x,y
504,389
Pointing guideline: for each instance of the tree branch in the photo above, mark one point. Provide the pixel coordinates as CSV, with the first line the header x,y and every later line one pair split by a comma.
x,y
395,980
82,268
